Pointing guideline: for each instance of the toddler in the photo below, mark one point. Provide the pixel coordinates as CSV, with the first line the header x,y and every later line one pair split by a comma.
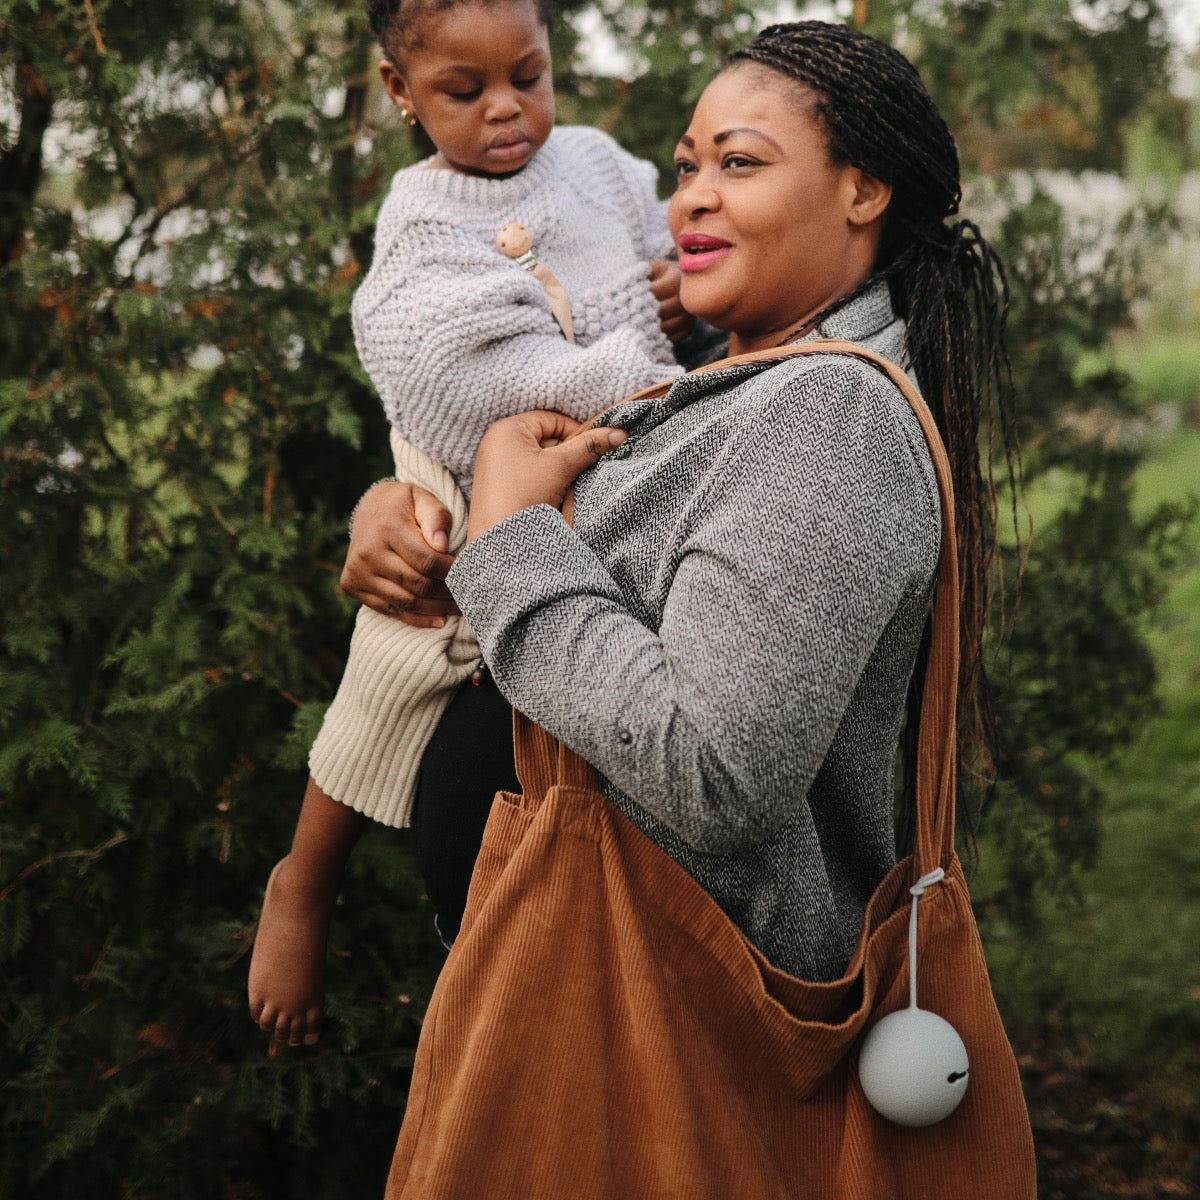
x,y
456,334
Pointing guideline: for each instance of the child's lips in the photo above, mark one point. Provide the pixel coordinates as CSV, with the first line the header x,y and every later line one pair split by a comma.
x,y
700,250
510,144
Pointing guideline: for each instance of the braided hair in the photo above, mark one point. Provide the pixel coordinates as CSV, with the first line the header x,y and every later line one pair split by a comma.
x,y
945,281
397,23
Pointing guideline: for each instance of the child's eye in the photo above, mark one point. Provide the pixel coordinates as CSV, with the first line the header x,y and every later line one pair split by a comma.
x,y
525,84
465,97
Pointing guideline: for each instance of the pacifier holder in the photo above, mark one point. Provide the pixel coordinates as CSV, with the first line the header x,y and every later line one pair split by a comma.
x,y
516,242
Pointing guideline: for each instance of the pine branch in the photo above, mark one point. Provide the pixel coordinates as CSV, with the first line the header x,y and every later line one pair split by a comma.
x,y
34,867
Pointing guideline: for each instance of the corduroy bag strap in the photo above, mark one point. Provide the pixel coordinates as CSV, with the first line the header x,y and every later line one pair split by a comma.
x,y
602,1029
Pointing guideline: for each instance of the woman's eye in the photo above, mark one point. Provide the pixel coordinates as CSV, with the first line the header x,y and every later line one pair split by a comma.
x,y
683,167
738,160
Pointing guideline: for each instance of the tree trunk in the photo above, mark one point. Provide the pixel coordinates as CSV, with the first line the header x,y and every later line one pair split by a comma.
x,y
21,163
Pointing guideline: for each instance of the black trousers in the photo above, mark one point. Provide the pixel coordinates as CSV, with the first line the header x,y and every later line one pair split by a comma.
x,y
468,759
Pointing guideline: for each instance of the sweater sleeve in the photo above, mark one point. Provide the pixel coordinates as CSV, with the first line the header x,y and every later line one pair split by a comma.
x,y
624,182
802,540
454,337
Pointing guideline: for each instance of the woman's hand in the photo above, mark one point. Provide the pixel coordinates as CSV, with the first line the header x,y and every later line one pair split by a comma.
x,y
531,458
675,320
397,561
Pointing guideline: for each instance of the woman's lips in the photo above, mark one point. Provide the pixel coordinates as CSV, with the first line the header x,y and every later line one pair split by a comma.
x,y
699,250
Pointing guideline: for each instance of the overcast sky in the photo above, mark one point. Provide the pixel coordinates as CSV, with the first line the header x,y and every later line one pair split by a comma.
x,y
1185,19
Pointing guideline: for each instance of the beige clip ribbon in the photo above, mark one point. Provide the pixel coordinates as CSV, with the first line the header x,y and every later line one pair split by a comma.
x,y
516,242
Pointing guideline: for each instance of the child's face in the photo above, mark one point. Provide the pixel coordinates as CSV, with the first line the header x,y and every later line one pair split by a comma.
x,y
479,82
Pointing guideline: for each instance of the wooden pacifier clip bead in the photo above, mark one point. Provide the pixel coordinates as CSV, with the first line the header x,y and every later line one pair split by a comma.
x,y
516,242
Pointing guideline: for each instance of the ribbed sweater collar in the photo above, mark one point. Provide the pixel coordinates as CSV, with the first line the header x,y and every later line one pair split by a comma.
x,y
424,182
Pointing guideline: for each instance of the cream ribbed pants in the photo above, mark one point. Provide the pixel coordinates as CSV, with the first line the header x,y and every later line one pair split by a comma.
x,y
397,683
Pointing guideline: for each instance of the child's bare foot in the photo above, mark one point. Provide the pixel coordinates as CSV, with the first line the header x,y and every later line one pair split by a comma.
x,y
287,968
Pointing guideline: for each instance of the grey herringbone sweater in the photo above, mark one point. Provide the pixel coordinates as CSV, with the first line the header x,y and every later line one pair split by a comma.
x,y
728,633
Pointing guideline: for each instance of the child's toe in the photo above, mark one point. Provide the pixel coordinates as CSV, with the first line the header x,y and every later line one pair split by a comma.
x,y
312,1026
267,1018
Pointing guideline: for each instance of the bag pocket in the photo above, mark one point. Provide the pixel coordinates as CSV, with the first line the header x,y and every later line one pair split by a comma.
x,y
507,824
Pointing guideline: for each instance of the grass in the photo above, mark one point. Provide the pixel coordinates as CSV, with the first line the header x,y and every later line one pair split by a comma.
x,y
1165,371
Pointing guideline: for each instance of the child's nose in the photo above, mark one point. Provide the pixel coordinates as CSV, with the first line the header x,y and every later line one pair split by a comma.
x,y
503,105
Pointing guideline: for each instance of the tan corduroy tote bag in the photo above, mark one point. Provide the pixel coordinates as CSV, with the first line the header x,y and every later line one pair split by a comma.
x,y
602,1031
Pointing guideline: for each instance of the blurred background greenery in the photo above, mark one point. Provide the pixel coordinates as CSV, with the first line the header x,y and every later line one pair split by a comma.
x,y
186,203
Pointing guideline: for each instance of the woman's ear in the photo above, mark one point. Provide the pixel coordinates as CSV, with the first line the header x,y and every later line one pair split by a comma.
x,y
397,88
870,200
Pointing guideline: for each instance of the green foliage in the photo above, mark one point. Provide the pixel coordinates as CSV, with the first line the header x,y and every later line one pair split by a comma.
x,y
1166,371
1075,676
1117,976
183,430
1038,83
676,48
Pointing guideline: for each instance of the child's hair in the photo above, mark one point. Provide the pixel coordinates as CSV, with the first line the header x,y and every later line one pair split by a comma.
x,y
945,280
397,23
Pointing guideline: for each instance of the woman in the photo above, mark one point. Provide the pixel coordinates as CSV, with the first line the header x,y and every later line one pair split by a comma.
x,y
727,634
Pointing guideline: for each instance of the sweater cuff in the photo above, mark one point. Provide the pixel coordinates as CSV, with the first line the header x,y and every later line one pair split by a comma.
x,y
538,549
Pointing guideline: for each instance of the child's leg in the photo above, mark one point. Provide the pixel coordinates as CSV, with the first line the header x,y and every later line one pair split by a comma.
x,y
287,968
468,760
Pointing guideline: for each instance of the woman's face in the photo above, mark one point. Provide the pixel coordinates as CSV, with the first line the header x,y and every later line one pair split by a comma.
x,y
769,231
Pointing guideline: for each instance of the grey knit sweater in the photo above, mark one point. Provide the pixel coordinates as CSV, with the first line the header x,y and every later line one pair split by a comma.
x,y
728,632
455,335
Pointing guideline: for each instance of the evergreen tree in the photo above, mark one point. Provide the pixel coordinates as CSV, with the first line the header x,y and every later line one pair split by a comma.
x,y
185,429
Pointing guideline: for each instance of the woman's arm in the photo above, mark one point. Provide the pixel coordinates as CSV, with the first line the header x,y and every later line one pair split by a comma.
x,y
398,556
806,534
397,559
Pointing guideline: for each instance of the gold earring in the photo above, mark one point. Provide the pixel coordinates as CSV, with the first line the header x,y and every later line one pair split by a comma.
x,y
408,118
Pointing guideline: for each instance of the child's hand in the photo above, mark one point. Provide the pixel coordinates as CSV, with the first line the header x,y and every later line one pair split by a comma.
x,y
531,458
397,562
675,320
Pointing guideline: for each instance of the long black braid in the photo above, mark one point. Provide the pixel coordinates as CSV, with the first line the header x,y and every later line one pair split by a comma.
x,y
945,281
397,23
